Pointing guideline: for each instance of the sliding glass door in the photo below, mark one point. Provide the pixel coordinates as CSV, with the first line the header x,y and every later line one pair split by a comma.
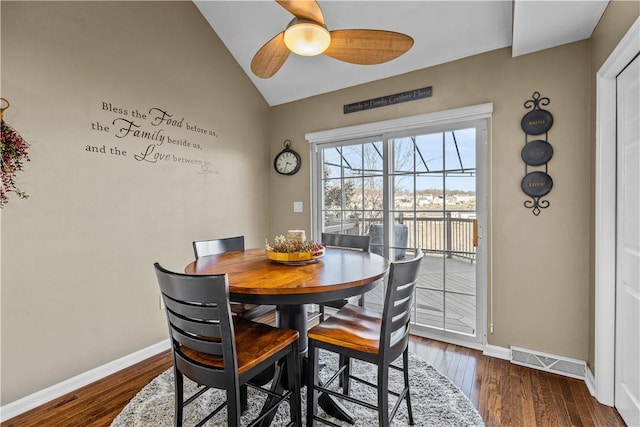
x,y
422,189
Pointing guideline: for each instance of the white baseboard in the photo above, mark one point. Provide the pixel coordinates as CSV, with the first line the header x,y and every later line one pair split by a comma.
x,y
497,351
590,381
41,397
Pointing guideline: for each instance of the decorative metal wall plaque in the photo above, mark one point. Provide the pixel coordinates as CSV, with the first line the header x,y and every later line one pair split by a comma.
x,y
537,184
537,121
537,153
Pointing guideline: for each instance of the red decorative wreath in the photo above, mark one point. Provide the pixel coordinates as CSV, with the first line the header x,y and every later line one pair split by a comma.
x,y
14,154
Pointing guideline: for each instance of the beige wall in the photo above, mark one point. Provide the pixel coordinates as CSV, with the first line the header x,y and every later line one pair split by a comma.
x,y
614,24
78,288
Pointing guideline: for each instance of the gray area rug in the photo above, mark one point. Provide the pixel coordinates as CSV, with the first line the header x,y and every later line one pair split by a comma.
x,y
435,400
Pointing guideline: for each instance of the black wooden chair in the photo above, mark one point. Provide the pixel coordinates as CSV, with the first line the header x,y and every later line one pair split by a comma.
x,y
218,246
355,332
347,241
218,350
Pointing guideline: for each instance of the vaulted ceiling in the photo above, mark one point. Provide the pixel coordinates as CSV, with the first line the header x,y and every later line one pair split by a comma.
x,y
443,31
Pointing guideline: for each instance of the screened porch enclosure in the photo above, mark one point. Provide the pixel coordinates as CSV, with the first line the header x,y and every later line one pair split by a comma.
x,y
425,184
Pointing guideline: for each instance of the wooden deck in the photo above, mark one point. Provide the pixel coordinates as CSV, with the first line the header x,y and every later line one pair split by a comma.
x,y
453,308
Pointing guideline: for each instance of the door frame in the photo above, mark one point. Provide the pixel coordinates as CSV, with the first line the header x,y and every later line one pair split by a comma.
x,y
387,127
605,213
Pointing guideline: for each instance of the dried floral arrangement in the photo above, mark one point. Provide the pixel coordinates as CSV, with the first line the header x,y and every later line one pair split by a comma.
x,y
14,154
284,245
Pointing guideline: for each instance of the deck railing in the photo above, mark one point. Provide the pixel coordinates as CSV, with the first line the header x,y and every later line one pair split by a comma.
x,y
449,235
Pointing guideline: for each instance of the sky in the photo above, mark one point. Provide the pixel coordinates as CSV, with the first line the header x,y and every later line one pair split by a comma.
x,y
428,157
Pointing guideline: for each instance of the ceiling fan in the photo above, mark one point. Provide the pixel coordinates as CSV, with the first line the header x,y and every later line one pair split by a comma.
x,y
307,35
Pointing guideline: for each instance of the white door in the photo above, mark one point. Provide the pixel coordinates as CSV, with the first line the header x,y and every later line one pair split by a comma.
x,y
627,353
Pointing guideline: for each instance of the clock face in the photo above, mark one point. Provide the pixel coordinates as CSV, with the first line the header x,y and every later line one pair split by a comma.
x,y
287,162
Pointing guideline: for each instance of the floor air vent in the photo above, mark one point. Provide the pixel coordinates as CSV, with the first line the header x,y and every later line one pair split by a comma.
x,y
548,362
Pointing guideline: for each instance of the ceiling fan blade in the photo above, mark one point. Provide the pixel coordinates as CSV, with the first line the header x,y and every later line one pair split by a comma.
x,y
367,47
304,9
268,60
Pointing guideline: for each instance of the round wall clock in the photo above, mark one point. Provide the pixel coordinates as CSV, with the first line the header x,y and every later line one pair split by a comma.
x,y
287,162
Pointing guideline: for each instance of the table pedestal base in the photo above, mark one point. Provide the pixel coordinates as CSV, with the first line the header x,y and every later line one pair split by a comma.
x,y
295,317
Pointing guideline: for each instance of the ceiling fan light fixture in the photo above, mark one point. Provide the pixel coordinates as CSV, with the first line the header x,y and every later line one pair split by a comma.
x,y
306,38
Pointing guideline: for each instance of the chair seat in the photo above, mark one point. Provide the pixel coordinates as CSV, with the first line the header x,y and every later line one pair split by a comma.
x,y
351,327
238,307
250,311
337,304
255,343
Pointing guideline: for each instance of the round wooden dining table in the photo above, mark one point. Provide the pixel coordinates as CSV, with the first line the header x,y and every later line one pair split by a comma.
x,y
254,279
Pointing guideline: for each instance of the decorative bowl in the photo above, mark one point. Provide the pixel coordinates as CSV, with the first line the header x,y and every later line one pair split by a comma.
x,y
294,257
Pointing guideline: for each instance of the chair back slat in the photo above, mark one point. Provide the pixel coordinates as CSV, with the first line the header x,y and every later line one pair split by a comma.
x,y
209,348
191,327
205,326
197,311
198,344
346,241
396,314
188,368
401,308
217,246
185,288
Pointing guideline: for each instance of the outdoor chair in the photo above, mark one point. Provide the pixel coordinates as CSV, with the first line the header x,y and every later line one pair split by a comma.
x,y
355,332
217,350
400,236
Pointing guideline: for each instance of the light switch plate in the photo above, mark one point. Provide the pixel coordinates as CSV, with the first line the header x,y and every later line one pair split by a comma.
x,y
297,207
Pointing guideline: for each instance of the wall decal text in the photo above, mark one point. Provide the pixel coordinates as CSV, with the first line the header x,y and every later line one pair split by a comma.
x,y
152,136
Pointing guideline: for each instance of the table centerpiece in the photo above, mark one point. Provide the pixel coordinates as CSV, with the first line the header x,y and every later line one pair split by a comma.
x,y
293,251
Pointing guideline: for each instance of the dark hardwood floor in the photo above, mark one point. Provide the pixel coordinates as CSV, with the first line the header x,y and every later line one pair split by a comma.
x,y
505,394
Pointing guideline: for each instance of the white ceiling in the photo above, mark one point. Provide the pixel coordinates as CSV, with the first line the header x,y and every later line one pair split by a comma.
x,y
443,31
